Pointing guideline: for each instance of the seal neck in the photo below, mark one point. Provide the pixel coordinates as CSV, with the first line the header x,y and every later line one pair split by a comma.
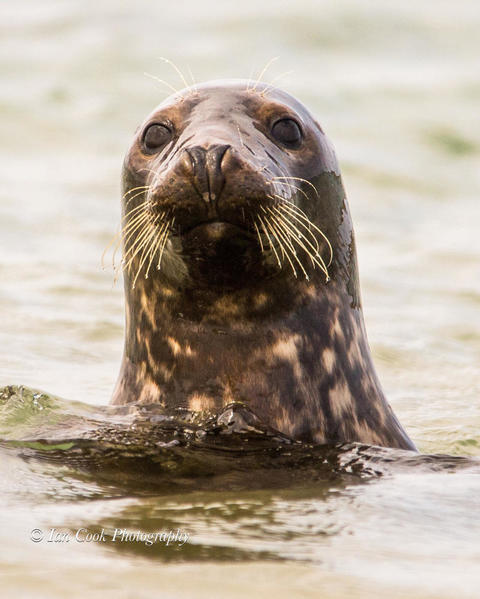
x,y
308,373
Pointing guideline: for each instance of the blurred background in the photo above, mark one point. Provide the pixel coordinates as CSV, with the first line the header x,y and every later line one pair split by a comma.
x,y
396,87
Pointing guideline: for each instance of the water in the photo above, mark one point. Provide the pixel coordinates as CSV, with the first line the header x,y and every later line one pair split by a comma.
x,y
396,88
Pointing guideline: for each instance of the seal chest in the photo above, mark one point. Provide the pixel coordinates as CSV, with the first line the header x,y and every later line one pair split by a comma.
x,y
240,269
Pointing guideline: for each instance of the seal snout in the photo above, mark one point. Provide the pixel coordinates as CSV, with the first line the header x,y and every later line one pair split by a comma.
x,y
212,182
204,166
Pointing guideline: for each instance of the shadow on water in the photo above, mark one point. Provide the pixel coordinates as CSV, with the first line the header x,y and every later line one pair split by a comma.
x,y
244,490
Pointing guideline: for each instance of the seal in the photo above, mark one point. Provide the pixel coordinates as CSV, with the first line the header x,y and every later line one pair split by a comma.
x,y
240,269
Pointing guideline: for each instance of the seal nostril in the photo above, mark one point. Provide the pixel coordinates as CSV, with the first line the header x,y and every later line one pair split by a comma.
x,y
218,152
216,177
197,158
206,170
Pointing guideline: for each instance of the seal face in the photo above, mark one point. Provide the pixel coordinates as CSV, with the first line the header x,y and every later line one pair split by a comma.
x,y
240,269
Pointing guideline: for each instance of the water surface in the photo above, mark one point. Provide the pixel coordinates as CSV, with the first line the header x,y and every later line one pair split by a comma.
x,y
396,88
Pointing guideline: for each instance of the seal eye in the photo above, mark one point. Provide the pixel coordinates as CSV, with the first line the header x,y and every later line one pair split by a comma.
x,y
155,137
287,131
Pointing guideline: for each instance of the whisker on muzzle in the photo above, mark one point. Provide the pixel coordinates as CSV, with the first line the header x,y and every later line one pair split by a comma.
x,y
288,229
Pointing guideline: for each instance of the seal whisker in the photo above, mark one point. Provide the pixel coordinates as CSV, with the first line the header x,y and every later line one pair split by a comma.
x,y
259,236
117,239
114,239
139,193
130,229
262,73
136,246
153,250
155,173
114,255
290,206
285,216
285,235
145,253
250,78
132,226
300,179
240,136
121,267
284,182
272,245
302,219
286,246
286,205
194,83
139,221
161,81
174,66
151,233
133,250
165,238
269,225
162,234
154,240
323,266
304,225
141,206
292,186
130,220
163,241
284,251
134,189
151,246
271,85
315,258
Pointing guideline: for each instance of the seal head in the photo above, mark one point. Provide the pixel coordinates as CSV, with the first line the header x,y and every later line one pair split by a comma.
x,y
240,269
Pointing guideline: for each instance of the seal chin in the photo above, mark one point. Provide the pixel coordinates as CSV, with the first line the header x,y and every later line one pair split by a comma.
x,y
220,253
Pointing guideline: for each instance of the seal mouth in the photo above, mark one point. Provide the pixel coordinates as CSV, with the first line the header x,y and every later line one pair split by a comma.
x,y
216,229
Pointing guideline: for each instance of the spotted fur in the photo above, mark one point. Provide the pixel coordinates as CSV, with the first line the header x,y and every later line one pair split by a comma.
x,y
220,321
